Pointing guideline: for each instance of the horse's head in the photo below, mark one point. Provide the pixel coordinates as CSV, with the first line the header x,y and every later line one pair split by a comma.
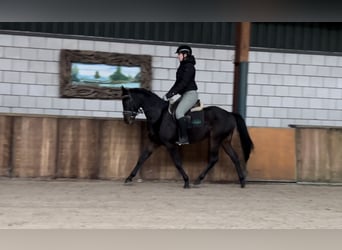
x,y
130,108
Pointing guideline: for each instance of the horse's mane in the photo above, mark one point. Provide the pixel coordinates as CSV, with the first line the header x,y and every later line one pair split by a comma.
x,y
144,91
153,98
154,105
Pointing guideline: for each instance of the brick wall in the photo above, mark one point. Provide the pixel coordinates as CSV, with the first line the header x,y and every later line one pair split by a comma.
x,y
283,88
288,88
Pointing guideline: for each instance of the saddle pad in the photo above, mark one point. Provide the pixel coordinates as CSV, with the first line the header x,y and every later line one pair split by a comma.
x,y
196,118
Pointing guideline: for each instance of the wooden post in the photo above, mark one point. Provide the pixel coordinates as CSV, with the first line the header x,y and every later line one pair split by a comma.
x,y
241,67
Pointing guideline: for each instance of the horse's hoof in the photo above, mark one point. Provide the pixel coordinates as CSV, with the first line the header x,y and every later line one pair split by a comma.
x,y
128,182
186,186
242,183
197,182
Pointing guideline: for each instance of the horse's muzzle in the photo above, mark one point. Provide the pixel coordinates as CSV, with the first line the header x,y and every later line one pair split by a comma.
x,y
129,116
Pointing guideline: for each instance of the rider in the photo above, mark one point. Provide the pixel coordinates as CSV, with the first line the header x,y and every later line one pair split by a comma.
x,y
185,86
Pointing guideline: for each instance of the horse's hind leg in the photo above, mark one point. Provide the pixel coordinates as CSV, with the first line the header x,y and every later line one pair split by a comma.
x,y
214,156
142,158
178,162
235,159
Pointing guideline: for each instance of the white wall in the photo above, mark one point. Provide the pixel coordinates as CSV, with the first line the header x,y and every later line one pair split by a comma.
x,y
289,88
283,88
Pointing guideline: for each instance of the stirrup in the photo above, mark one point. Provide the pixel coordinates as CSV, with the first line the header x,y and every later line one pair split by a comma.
x,y
182,141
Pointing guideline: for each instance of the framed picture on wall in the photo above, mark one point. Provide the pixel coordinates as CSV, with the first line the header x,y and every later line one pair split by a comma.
x,y
100,75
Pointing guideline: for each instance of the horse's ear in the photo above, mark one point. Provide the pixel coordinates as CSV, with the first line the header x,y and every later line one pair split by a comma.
x,y
124,91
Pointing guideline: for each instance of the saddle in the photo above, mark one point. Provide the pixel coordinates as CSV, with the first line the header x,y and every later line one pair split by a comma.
x,y
195,116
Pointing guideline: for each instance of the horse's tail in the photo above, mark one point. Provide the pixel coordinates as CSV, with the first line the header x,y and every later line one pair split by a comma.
x,y
246,141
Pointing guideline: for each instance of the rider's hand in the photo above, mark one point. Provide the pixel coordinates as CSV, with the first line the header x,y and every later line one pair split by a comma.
x,y
169,95
165,98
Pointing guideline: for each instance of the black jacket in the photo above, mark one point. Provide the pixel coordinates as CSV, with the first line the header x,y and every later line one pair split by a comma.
x,y
185,78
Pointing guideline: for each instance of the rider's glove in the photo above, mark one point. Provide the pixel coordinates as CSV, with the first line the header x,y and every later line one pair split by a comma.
x,y
169,95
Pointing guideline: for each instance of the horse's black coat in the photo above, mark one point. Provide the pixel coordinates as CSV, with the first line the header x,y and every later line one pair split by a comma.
x,y
219,126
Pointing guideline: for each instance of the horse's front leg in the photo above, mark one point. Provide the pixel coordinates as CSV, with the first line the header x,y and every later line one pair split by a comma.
x,y
178,162
145,154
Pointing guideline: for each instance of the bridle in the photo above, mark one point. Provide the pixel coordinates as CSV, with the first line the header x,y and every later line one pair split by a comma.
x,y
131,113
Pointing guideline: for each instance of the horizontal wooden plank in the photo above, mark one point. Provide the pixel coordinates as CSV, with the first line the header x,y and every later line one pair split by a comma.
x,y
34,147
335,152
119,149
274,156
5,145
319,155
78,145
109,149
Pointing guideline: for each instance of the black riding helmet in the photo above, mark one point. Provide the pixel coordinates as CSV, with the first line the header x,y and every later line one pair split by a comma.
x,y
184,49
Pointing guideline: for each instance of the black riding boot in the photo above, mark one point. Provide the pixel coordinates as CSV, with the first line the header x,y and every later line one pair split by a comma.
x,y
182,129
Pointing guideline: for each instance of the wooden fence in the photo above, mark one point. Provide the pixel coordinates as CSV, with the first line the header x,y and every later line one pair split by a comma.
x,y
319,154
64,147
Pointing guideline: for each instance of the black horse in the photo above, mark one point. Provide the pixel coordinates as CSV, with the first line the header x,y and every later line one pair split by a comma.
x,y
218,125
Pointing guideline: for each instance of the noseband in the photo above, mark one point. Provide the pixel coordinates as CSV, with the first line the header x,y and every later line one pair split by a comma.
x,y
130,113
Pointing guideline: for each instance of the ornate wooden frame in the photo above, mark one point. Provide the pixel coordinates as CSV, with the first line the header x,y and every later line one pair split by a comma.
x,y
69,90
